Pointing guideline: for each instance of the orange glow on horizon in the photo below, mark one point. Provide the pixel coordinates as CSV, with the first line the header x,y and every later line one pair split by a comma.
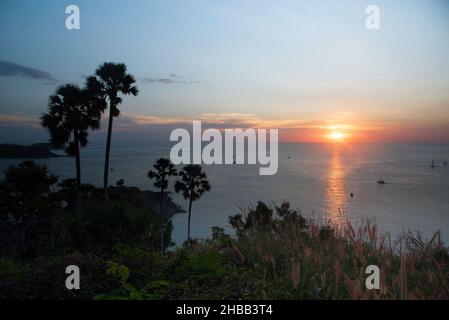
x,y
338,128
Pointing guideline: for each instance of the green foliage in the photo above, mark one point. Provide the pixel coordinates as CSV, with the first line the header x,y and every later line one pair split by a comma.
x,y
219,239
99,226
10,269
276,253
69,190
298,258
44,278
203,266
127,291
29,180
30,215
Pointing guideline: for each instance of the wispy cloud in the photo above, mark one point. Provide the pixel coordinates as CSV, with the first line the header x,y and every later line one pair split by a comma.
x,y
172,78
227,119
19,119
224,120
11,69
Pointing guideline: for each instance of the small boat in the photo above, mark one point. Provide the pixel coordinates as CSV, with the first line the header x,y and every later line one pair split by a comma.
x,y
445,163
433,164
381,182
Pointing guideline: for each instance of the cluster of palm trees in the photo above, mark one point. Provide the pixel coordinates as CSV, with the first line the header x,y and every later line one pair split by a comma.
x,y
192,185
74,110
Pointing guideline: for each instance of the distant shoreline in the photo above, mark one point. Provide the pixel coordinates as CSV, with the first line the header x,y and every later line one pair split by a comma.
x,y
17,151
141,198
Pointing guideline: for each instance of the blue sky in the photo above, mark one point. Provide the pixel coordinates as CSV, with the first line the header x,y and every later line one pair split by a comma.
x,y
266,62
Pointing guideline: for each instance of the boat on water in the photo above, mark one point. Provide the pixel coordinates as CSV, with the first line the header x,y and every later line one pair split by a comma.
x,y
445,163
381,182
433,164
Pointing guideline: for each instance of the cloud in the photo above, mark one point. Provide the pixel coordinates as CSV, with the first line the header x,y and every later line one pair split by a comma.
x,y
222,120
10,69
173,78
218,119
19,119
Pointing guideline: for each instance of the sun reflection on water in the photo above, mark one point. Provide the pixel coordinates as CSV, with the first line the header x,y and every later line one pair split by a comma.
x,y
336,195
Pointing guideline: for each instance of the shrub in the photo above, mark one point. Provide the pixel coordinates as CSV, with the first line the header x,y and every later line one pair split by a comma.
x,y
30,213
100,226
44,278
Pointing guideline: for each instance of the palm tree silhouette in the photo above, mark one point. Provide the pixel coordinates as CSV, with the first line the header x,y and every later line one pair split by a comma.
x,y
111,79
163,169
72,111
192,185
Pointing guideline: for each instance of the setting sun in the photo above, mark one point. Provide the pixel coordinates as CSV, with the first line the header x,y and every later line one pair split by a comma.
x,y
337,136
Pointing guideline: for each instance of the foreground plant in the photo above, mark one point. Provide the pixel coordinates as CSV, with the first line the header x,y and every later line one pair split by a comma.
x,y
30,212
313,260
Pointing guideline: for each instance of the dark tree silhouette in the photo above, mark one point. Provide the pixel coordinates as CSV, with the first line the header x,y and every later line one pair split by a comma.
x,y
163,169
30,215
192,185
72,111
110,80
29,179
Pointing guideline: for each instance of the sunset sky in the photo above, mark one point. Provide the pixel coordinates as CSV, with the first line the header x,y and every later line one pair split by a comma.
x,y
312,70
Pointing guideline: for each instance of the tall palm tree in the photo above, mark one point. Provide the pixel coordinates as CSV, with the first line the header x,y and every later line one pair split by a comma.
x,y
192,185
72,111
163,169
110,80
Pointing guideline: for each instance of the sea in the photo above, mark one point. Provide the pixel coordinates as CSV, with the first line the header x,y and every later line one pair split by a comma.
x,y
317,179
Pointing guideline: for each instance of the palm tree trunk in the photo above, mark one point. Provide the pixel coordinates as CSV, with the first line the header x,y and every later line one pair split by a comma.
x,y
106,159
188,223
162,220
78,168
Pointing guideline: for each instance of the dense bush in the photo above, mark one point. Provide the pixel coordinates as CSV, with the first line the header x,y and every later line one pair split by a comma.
x,y
99,226
30,212
44,278
38,217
